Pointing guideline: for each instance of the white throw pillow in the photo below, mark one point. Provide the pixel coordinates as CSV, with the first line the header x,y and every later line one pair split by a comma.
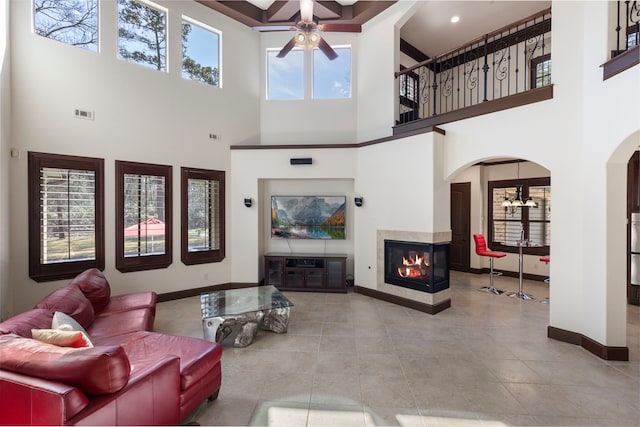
x,y
64,322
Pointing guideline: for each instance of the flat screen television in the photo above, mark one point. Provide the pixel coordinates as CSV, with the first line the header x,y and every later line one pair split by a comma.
x,y
308,217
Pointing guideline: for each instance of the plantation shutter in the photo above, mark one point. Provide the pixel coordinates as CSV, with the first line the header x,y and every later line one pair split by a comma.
x,y
204,215
67,215
144,215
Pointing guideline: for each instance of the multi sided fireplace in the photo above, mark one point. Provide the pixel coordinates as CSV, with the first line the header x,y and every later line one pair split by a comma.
x,y
420,266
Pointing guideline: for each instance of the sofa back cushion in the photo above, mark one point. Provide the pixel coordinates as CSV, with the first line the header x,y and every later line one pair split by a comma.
x,y
21,324
96,370
95,287
70,300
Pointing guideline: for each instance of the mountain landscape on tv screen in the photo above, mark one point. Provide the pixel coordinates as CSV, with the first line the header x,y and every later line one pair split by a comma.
x,y
308,217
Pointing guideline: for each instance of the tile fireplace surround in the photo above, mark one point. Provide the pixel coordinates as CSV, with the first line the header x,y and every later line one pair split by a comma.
x,y
433,299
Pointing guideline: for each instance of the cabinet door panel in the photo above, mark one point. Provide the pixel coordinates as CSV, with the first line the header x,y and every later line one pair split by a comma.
x,y
273,272
336,274
315,279
295,278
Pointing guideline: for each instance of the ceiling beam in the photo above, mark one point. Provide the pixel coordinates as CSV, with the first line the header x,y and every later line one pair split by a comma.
x,y
284,12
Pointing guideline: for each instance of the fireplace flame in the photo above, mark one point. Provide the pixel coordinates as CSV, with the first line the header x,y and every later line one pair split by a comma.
x,y
413,267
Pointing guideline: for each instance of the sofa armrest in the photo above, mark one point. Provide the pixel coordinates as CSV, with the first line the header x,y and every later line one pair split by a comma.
x,y
29,400
151,397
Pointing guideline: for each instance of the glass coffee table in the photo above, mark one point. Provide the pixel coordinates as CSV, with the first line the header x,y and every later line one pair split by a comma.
x,y
250,308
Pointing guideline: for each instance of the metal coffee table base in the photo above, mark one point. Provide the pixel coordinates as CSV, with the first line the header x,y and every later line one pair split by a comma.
x,y
219,328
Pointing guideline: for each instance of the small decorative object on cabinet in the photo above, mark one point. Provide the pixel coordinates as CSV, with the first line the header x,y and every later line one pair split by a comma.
x,y
306,272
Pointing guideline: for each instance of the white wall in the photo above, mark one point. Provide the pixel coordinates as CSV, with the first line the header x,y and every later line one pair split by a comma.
x,y
378,59
393,178
261,173
140,115
308,121
5,143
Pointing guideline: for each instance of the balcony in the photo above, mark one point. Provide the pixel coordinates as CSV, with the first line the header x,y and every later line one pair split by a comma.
x,y
627,37
506,68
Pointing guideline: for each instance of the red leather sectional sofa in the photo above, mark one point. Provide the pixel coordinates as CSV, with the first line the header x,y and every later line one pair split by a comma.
x,y
131,376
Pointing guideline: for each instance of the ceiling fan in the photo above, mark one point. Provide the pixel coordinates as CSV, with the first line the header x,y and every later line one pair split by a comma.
x,y
308,28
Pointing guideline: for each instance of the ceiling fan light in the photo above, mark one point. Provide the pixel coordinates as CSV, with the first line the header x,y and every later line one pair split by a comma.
x,y
301,39
314,39
530,203
506,203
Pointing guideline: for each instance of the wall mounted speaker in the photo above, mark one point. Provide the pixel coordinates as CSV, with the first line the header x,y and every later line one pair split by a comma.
x,y
358,201
301,161
248,202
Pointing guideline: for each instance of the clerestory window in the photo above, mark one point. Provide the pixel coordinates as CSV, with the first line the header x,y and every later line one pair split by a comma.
x,y
200,52
328,79
142,33
74,22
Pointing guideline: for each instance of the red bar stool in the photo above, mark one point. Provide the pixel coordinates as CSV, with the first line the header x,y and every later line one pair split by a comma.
x,y
546,259
481,250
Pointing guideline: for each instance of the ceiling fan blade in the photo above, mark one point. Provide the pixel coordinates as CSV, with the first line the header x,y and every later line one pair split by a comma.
x,y
265,28
327,50
306,10
287,48
340,28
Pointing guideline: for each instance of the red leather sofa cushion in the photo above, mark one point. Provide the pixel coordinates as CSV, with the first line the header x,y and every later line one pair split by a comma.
x,y
200,362
122,323
95,287
130,301
70,300
197,357
97,370
22,324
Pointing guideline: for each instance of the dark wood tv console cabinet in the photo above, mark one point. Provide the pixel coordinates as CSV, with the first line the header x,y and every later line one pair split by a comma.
x,y
306,272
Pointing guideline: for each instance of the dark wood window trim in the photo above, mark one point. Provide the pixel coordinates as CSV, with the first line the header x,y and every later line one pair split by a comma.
x,y
144,262
526,183
68,269
205,256
534,68
410,91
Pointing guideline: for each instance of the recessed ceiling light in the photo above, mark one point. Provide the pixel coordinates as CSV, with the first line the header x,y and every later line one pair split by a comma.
x,y
455,19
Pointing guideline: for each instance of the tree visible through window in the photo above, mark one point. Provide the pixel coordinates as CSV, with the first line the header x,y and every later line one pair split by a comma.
x,y
200,53
74,22
143,219
142,34
202,206
66,215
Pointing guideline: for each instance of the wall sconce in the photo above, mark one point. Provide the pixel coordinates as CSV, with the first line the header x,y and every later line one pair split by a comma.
x,y
248,202
358,201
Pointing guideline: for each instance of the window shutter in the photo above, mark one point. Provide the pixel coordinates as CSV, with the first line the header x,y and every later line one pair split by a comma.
x,y
67,215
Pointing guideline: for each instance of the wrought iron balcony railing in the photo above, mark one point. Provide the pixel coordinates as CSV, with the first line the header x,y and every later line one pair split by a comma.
x,y
508,61
628,26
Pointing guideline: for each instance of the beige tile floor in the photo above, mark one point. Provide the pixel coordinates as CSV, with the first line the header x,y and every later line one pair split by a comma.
x,y
351,360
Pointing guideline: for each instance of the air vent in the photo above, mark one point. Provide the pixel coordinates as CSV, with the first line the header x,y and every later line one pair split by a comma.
x,y
83,114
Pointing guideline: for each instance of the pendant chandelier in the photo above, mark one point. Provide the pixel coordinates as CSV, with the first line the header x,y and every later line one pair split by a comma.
x,y
516,200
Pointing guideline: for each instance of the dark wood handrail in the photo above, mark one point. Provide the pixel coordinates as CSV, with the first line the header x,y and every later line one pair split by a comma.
x,y
470,44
